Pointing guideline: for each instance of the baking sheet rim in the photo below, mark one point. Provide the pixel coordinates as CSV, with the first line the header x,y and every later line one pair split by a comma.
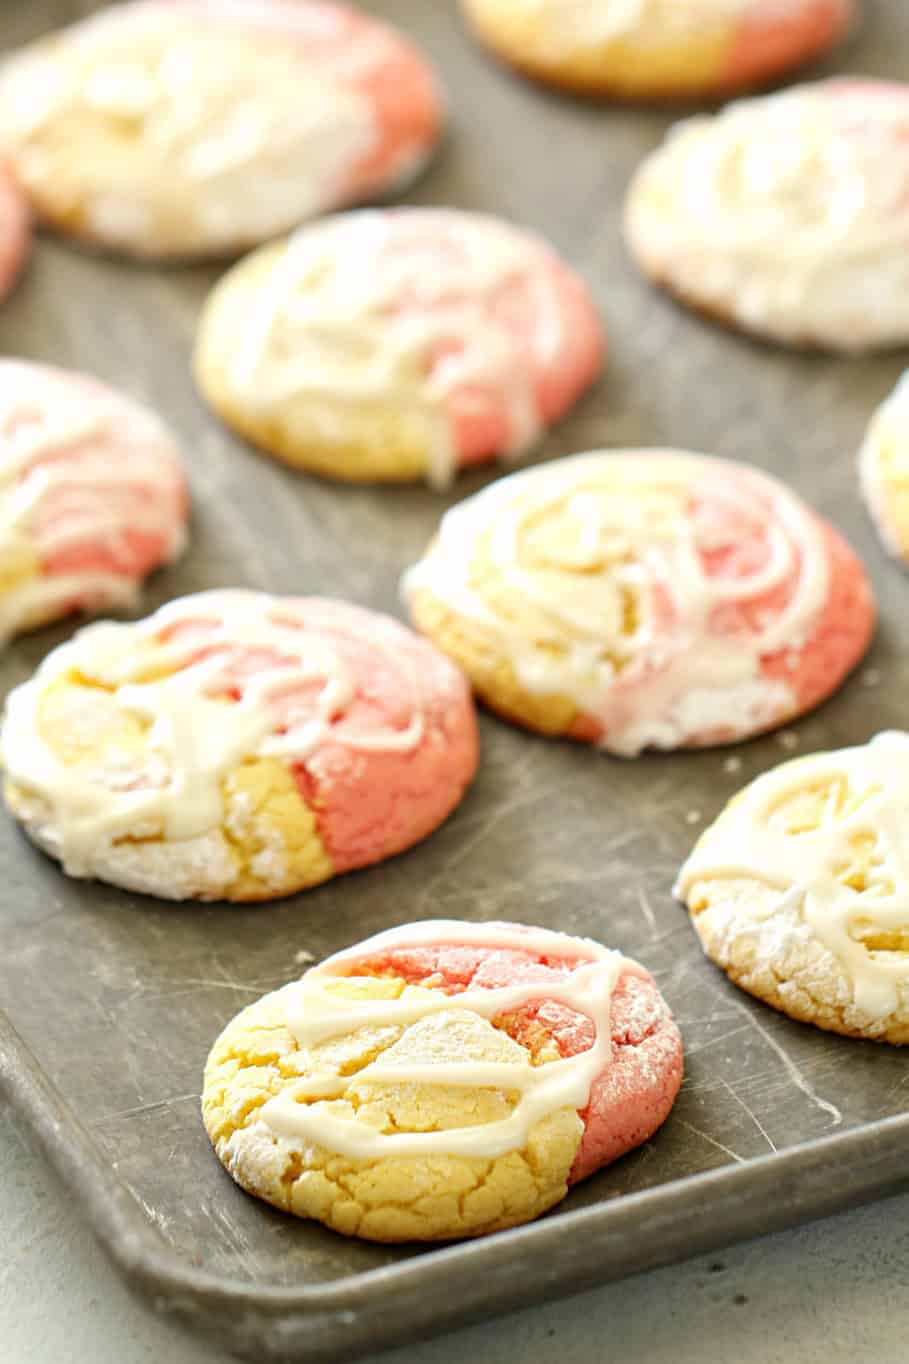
x,y
566,1252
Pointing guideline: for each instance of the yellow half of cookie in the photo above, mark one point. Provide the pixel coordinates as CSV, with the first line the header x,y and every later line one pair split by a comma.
x,y
556,43
267,845
371,439
397,1198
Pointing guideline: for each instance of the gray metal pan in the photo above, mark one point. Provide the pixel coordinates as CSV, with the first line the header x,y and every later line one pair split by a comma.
x,y
108,1002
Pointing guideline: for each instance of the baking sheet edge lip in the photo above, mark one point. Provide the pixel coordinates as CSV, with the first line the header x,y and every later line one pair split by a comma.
x,y
136,1245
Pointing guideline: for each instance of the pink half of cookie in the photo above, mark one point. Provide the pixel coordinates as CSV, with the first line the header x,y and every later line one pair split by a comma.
x,y
773,37
739,541
366,56
15,231
369,802
92,484
533,341
839,634
632,1097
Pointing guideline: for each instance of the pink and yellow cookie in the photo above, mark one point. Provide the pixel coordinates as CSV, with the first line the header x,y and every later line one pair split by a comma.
x,y
644,599
237,746
196,127
658,49
884,469
442,1080
92,496
786,216
15,231
398,344
799,891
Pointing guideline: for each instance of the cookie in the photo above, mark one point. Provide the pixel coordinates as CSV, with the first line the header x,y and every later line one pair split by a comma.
x,y
237,746
644,599
786,216
884,469
658,49
398,344
180,128
15,231
92,496
800,890
442,1080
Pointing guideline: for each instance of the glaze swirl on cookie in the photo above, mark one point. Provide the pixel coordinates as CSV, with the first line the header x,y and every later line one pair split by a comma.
x,y
203,126
389,343
442,1079
648,598
787,214
92,496
237,744
800,890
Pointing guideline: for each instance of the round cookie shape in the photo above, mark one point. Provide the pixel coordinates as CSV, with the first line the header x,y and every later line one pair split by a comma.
x,y
181,128
442,1079
398,344
658,49
884,469
15,231
786,216
236,745
92,496
800,889
644,599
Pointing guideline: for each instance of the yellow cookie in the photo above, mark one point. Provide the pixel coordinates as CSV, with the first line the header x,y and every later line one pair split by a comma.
x,y
884,469
442,1079
657,49
800,890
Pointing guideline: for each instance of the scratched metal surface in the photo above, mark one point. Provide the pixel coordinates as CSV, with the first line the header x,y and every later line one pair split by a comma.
x,y
120,997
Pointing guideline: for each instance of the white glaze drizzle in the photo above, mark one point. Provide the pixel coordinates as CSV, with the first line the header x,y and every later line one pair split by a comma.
x,y
356,307
789,209
633,532
887,430
224,97
197,735
342,56
314,1015
41,599
61,450
803,866
794,165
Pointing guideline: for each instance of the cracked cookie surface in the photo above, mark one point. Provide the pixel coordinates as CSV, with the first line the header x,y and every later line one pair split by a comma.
x,y
305,1108
236,745
800,889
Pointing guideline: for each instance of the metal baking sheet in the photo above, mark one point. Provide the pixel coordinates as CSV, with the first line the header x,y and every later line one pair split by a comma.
x,y
110,1001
